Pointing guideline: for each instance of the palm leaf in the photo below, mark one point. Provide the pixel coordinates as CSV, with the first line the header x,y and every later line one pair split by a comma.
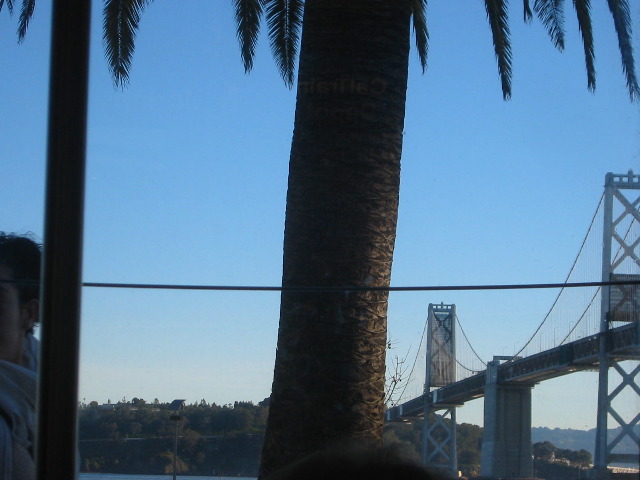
x,y
622,20
528,14
583,11
9,6
248,14
120,23
551,14
498,16
419,16
25,16
284,19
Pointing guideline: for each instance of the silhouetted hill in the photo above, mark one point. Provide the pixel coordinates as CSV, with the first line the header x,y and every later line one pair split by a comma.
x,y
580,439
565,438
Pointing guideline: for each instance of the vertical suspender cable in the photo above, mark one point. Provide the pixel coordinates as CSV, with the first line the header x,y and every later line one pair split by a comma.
x,y
56,444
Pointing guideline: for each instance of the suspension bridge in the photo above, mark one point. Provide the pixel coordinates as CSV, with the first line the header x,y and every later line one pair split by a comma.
x,y
601,325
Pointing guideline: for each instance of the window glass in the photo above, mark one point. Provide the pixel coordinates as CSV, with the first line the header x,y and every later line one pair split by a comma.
x,y
186,184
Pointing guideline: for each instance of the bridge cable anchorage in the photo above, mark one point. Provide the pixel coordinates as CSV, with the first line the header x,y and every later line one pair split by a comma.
x,y
573,266
470,346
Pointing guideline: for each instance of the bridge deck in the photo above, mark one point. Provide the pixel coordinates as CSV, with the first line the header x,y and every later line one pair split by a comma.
x,y
622,344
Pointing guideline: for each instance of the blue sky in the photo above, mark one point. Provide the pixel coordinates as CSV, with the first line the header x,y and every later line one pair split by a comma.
x,y
186,184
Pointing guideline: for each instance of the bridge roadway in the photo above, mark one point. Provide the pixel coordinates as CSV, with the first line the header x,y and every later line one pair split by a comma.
x,y
622,344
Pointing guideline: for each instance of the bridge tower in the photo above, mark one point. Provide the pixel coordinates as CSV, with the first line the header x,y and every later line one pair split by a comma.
x,y
620,304
439,442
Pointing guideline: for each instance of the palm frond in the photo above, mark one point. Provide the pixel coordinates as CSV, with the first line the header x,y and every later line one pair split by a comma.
x,y
9,6
551,14
120,24
419,17
583,11
528,14
284,20
25,16
622,20
498,16
248,14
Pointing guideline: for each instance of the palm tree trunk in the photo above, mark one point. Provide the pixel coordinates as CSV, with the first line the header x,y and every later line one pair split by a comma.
x,y
342,207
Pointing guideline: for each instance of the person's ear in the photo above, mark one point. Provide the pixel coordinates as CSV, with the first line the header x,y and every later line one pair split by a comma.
x,y
30,313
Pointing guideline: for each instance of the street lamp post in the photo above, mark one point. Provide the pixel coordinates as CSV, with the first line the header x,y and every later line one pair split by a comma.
x,y
175,406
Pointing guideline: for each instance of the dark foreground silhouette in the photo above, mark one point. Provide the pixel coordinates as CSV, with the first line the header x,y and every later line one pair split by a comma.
x,y
354,463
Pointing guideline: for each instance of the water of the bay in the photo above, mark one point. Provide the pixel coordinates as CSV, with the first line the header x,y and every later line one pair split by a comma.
x,y
124,476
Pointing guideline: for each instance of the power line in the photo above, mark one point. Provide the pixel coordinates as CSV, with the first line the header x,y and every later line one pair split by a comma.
x,y
355,288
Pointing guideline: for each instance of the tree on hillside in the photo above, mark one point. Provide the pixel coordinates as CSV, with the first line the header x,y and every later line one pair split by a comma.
x,y
580,457
547,451
544,450
342,199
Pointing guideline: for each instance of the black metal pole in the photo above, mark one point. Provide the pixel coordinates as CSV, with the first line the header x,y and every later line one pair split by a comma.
x,y
175,451
56,444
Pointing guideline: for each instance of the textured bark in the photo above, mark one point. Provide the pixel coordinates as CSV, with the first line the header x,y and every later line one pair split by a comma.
x,y
342,206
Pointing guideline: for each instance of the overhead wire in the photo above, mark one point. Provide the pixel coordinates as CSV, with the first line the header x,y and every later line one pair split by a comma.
x,y
354,288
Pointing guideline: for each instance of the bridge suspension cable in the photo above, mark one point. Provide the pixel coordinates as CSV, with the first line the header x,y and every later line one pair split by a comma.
x,y
575,261
415,360
471,347
595,295
590,300
582,316
420,354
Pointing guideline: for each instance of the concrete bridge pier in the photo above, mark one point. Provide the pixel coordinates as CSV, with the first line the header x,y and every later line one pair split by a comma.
x,y
506,445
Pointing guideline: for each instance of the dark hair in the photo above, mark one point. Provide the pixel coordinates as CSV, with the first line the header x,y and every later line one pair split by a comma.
x,y
354,463
21,254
